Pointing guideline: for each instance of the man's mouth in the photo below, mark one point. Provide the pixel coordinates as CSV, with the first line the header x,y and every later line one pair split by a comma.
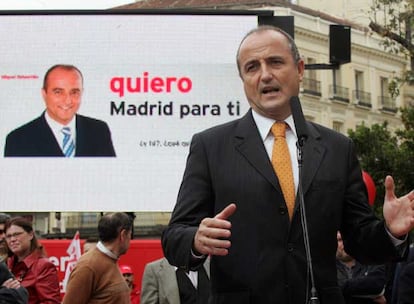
x,y
267,90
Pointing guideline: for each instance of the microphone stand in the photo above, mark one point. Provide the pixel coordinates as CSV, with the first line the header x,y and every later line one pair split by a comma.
x,y
313,293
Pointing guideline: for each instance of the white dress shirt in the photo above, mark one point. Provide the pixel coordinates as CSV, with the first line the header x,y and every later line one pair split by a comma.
x,y
57,129
264,126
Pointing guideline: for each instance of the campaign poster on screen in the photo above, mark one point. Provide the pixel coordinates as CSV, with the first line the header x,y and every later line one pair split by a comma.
x,y
155,80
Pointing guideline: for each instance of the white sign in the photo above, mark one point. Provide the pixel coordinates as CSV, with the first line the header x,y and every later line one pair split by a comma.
x,y
154,79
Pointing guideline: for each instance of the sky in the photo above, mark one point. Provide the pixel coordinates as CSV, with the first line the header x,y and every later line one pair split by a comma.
x,y
60,4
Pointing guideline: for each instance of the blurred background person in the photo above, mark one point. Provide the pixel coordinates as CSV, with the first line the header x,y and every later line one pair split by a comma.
x,y
11,291
29,264
3,246
405,277
129,277
163,283
96,277
360,284
406,285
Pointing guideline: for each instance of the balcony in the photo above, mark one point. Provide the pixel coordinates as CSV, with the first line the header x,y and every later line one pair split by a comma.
x,y
362,99
339,93
387,104
311,87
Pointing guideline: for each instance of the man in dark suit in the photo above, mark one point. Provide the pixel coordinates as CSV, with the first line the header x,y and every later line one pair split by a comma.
x,y
59,131
230,204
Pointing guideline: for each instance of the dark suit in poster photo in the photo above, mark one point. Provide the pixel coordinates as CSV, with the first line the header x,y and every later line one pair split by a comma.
x,y
62,92
231,207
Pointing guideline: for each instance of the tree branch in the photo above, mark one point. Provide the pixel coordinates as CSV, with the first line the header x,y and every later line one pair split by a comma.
x,y
379,29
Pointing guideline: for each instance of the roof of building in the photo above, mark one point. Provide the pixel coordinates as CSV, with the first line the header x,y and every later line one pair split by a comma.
x,y
235,5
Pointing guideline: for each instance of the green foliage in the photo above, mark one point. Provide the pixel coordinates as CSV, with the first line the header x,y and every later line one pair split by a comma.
x,y
377,151
383,153
406,144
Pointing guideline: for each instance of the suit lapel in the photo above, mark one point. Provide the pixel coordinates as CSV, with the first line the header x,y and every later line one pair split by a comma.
x,y
312,157
250,145
47,141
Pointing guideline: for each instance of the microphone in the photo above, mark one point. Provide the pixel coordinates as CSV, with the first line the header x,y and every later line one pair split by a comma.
x,y
302,133
299,119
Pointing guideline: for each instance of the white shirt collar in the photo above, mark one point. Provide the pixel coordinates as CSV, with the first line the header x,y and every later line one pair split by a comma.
x,y
57,128
264,124
54,125
101,247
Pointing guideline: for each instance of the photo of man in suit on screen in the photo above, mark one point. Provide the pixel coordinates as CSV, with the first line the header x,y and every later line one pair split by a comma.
x,y
60,131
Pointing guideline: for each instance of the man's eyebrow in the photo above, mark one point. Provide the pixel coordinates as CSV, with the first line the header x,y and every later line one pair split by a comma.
x,y
250,61
275,57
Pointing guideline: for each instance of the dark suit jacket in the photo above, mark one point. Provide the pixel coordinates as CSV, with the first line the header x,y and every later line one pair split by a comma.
x,y
93,138
406,285
266,262
11,295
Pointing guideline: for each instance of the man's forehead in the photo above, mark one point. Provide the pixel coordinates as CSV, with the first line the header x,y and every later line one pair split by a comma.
x,y
264,48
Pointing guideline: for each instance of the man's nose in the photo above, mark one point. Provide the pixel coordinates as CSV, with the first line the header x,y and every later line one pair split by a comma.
x,y
68,98
266,73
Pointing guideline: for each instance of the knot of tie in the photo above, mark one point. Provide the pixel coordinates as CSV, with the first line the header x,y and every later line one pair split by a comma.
x,y
66,131
279,129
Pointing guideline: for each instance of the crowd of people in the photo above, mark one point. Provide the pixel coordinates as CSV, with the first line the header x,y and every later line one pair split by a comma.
x,y
26,275
237,233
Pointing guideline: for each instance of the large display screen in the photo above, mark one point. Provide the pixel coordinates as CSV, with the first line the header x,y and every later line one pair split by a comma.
x,y
154,79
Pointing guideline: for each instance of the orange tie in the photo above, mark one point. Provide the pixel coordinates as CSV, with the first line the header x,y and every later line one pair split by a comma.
x,y
282,165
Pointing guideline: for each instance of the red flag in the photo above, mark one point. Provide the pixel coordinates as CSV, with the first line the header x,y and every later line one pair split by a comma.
x,y
74,252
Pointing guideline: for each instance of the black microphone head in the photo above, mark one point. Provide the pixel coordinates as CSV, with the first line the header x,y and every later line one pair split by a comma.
x,y
298,118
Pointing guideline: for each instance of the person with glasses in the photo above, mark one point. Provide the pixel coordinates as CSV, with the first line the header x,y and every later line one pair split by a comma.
x,y
96,277
29,264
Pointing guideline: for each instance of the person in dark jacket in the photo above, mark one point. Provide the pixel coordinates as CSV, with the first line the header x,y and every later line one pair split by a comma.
x,y
360,283
11,291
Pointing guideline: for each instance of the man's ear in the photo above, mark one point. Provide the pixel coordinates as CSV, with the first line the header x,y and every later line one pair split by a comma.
x,y
301,69
123,233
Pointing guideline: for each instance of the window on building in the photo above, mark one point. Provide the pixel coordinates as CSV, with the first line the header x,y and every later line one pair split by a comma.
x,y
359,95
384,86
338,126
384,100
310,74
359,81
310,85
